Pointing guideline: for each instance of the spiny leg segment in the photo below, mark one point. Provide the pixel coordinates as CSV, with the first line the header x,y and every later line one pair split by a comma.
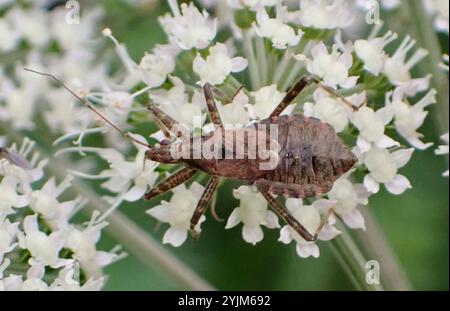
x,y
212,108
284,213
299,87
203,203
171,182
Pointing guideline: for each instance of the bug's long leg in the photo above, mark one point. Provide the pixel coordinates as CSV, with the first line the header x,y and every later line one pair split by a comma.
x,y
203,203
227,100
162,118
292,94
299,86
212,108
323,223
287,216
171,182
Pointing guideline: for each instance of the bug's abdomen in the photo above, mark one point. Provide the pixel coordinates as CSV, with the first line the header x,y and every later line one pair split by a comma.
x,y
311,157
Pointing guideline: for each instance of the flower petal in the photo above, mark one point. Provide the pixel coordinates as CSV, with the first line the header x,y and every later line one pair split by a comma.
x,y
252,234
175,237
234,219
354,220
398,185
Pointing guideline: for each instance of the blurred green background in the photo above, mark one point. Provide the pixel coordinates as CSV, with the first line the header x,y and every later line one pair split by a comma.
x,y
415,224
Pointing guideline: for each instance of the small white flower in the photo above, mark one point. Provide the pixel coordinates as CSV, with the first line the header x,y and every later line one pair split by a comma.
x,y
190,28
178,213
275,29
371,125
9,196
45,202
32,24
331,67
234,113
408,118
371,52
383,167
217,65
175,102
8,234
155,67
325,14
397,68
348,197
253,213
9,35
309,217
130,178
82,242
44,249
443,149
66,281
265,101
328,109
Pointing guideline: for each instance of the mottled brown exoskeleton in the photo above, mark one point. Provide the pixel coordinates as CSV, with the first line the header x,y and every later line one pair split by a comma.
x,y
310,156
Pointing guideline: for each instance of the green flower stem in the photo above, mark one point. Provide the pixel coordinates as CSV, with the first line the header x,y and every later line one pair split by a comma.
x,y
135,240
261,55
376,246
252,63
352,260
427,38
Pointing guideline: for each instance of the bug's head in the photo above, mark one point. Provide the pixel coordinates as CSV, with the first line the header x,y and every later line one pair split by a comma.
x,y
161,152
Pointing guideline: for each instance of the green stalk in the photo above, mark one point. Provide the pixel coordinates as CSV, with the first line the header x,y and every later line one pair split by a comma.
x,y
376,246
135,240
262,58
427,38
252,63
352,260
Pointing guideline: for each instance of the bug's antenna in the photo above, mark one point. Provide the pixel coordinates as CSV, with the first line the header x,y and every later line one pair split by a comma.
x,y
88,105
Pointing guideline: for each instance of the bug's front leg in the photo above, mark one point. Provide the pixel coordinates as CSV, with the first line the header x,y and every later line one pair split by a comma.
x,y
171,182
283,212
203,204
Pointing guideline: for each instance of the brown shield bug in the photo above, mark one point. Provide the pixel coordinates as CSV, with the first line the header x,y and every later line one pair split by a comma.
x,y
310,156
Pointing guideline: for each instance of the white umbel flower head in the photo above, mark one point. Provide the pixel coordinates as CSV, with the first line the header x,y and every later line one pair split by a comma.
x,y
383,167
371,52
325,14
265,101
408,118
276,30
44,249
178,213
348,197
371,125
253,212
155,67
217,65
331,67
189,28
397,68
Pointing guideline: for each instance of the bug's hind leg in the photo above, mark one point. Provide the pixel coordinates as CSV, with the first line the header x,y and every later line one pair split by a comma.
x,y
211,104
323,222
298,88
170,182
203,204
284,213
292,94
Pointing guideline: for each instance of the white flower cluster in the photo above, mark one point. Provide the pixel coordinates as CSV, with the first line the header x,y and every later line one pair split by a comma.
x,y
271,45
40,247
278,46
